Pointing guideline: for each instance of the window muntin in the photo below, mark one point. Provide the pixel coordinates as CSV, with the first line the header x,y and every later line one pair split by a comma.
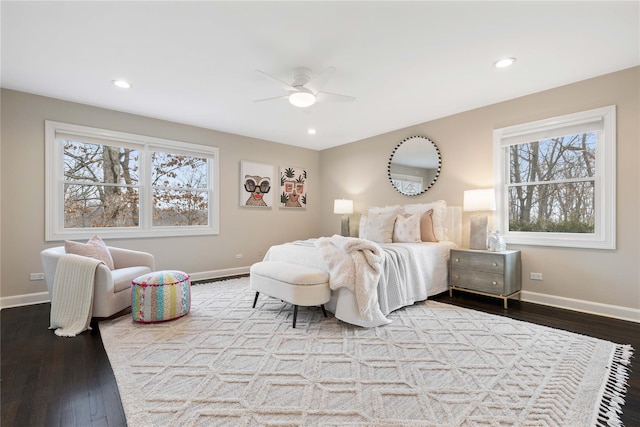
x,y
125,185
555,181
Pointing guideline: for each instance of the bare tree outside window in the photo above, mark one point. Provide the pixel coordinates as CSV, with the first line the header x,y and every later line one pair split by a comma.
x,y
551,185
100,185
180,194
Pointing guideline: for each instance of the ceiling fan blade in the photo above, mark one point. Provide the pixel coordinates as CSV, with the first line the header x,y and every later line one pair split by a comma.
x,y
317,82
284,85
271,99
333,97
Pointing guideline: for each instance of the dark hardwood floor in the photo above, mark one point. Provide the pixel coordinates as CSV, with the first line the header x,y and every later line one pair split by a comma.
x,y
47,380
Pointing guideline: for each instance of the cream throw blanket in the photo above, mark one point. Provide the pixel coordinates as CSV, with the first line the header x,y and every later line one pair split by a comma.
x,y
72,294
355,264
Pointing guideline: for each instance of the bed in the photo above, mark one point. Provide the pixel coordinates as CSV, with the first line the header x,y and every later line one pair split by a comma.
x,y
405,268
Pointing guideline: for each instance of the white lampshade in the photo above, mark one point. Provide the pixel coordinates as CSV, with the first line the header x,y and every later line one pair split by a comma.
x,y
479,200
342,206
303,98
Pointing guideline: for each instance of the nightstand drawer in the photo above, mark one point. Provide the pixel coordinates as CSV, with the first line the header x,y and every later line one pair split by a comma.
x,y
481,261
478,281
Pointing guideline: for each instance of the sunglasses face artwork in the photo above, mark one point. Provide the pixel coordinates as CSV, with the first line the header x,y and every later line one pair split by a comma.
x,y
258,186
293,185
293,191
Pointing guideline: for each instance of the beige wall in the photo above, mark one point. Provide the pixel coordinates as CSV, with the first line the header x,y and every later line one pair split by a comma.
x,y
359,171
242,230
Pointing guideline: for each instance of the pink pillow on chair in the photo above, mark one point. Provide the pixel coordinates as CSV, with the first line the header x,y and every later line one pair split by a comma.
x,y
94,248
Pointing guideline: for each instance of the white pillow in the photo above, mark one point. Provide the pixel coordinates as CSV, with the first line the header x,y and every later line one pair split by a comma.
x,y
386,210
407,229
439,216
363,226
379,228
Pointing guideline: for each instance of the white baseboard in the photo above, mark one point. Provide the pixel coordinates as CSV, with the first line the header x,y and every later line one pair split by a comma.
x,y
42,297
25,299
216,274
615,311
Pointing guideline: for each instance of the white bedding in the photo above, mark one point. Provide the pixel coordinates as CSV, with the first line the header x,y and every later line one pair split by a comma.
x,y
411,272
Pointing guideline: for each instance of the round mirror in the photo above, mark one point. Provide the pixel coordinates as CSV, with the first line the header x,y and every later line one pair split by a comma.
x,y
414,165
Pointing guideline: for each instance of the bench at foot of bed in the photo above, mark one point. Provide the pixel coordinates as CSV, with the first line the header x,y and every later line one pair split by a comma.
x,y
295,284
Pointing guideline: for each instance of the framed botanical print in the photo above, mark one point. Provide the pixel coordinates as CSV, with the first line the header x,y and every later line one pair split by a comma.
x,y
293,187
255,184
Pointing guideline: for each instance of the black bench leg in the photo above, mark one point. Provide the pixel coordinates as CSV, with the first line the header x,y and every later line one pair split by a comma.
x,y
255,300
295,315
323,310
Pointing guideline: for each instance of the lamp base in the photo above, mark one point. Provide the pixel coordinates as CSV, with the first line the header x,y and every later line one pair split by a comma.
x,y
478,231
344,227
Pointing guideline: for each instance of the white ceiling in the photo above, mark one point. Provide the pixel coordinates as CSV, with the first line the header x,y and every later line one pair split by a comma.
x,y
405,62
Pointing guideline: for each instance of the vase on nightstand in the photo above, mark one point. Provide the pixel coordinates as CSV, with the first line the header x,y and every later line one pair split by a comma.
x,y
496,242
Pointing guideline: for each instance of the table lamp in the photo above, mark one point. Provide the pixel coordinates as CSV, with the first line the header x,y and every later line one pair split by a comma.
x,y
345,208
478,201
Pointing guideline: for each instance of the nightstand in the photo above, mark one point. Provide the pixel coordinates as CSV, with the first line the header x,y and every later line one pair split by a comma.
x,y
496,274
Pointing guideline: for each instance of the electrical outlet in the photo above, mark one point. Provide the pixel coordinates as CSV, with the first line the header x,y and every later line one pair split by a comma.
x,y
535,276
239,256
36,276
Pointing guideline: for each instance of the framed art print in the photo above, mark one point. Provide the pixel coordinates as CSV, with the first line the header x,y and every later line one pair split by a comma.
x,y
255,184
293,187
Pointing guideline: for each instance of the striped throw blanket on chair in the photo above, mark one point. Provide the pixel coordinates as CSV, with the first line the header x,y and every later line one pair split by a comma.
x,y
72,295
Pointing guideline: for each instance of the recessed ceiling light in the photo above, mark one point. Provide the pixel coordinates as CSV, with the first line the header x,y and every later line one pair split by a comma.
x,y
311,131
504,62
121,83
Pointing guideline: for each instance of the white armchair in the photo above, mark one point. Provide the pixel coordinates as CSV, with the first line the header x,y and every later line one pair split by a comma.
x,y
112,289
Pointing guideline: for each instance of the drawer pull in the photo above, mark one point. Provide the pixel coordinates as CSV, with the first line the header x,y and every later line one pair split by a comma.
x,y
495,264
456,276
494,283
457,260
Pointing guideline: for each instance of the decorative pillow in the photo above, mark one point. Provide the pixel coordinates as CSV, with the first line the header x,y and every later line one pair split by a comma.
x,y
94,248
407,229
379,228
426,227
439,216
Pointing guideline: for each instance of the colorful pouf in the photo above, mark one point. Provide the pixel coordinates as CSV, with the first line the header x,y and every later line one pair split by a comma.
x,y
160,295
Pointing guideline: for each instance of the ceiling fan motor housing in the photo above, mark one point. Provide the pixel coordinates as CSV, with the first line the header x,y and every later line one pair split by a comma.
x,y
301,77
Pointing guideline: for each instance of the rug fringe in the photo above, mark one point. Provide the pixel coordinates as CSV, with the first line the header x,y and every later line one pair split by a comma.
x,y
612,400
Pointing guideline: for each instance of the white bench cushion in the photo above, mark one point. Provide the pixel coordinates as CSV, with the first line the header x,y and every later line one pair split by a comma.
x,y
290,273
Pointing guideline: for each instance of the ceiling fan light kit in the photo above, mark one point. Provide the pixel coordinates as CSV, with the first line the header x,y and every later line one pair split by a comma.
x,y
303,98
305,90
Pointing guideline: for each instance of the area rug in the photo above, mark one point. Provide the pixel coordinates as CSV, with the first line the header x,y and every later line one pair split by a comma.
x,y
227,364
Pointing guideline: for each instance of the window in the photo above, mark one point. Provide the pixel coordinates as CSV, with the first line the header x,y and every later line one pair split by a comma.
x,y
407,184
124,185
555,181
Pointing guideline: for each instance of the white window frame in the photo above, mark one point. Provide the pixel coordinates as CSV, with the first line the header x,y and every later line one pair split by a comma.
x,y
54,184
604,236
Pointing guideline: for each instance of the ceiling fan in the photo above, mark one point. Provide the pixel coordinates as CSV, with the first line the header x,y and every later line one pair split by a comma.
x,y
305,90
